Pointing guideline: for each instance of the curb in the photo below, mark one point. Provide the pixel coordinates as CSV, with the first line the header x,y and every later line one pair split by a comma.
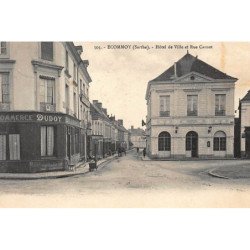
x,y
217,175
55,176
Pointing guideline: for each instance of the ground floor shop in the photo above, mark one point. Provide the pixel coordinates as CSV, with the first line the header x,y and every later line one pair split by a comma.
x,y
37,142
191,142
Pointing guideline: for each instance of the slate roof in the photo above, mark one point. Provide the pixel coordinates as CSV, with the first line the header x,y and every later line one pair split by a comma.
x,y
189,63
246,97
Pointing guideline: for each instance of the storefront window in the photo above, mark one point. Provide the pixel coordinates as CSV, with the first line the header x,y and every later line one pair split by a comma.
x,y
47,140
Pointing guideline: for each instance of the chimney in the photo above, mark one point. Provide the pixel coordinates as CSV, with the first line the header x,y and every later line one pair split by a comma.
x,y
86,63
79,49
95,102
175,69
120,122
132,127
112,118
104,111
99,105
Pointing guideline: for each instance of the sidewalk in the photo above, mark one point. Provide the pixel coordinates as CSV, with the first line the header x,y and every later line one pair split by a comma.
x,y
232,172
81,168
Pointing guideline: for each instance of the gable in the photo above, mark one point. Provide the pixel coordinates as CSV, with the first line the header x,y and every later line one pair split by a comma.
x,y
193,77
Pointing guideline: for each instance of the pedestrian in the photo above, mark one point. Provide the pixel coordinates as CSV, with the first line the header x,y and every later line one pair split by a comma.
x,y
144,152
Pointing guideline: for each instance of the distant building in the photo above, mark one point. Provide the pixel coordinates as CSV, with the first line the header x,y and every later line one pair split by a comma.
x,y
190,111
138,137
44,106
244,119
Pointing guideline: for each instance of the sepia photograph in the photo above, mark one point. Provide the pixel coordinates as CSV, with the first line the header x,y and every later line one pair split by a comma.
x,y
124,124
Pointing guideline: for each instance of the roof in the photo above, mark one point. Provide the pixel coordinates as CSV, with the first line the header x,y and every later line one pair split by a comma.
x,y
246,97
137,131
188,64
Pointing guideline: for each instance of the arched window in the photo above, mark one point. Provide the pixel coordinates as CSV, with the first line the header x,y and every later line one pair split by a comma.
x,y
220,141
164,141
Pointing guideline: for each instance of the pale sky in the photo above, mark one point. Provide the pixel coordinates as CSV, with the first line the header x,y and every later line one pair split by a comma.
x,y
120,76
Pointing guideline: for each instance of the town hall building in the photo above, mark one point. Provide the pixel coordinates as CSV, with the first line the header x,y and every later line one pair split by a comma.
x,y
190,112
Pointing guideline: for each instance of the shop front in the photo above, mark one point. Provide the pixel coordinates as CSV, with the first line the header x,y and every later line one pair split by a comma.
x,y
38,142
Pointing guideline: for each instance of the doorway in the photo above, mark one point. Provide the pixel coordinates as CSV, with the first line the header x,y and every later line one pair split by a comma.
x,y
192,143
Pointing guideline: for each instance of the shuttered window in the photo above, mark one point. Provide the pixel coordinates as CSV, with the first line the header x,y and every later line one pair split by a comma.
x,y
14,146
47,51
2,147
47,140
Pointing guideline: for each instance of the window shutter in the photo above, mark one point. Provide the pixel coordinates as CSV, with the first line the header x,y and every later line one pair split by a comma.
x,y
50,141
43,141
2,147
14,146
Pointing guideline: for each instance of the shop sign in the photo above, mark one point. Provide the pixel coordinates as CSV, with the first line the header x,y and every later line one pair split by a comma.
x,y
49,118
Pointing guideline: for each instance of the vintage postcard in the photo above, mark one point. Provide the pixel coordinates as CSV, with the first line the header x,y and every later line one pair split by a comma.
x,y
124,124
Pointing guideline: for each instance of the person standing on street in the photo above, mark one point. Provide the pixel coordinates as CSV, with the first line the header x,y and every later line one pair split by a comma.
x,y
144,152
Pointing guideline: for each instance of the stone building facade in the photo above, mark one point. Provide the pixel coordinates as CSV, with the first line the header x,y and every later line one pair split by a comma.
x,y
44,106
190,111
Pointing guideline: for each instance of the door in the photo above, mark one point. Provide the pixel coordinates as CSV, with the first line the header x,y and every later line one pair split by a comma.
x,y
68,146
192,143
194,147
247,133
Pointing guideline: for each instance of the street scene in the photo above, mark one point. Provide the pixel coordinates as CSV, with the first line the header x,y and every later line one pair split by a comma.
x,y
129,181
124,124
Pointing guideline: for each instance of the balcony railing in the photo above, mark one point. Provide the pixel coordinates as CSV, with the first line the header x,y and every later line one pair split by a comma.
x,y
192,113
164,113
4,106
220,112
47,107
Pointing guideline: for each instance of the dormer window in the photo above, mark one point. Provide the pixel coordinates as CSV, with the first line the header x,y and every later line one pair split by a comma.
x,y
47,51
192,78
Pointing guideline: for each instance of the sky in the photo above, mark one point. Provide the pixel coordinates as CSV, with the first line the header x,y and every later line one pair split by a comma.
x,y
120,76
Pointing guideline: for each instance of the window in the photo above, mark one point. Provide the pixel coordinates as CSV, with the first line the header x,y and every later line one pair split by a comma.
x,y
47,91
220,141
164,141
47,51
4,88
220,105
77,134
164,105
2,147
192,105
3,48
75,103
14,146
47,140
